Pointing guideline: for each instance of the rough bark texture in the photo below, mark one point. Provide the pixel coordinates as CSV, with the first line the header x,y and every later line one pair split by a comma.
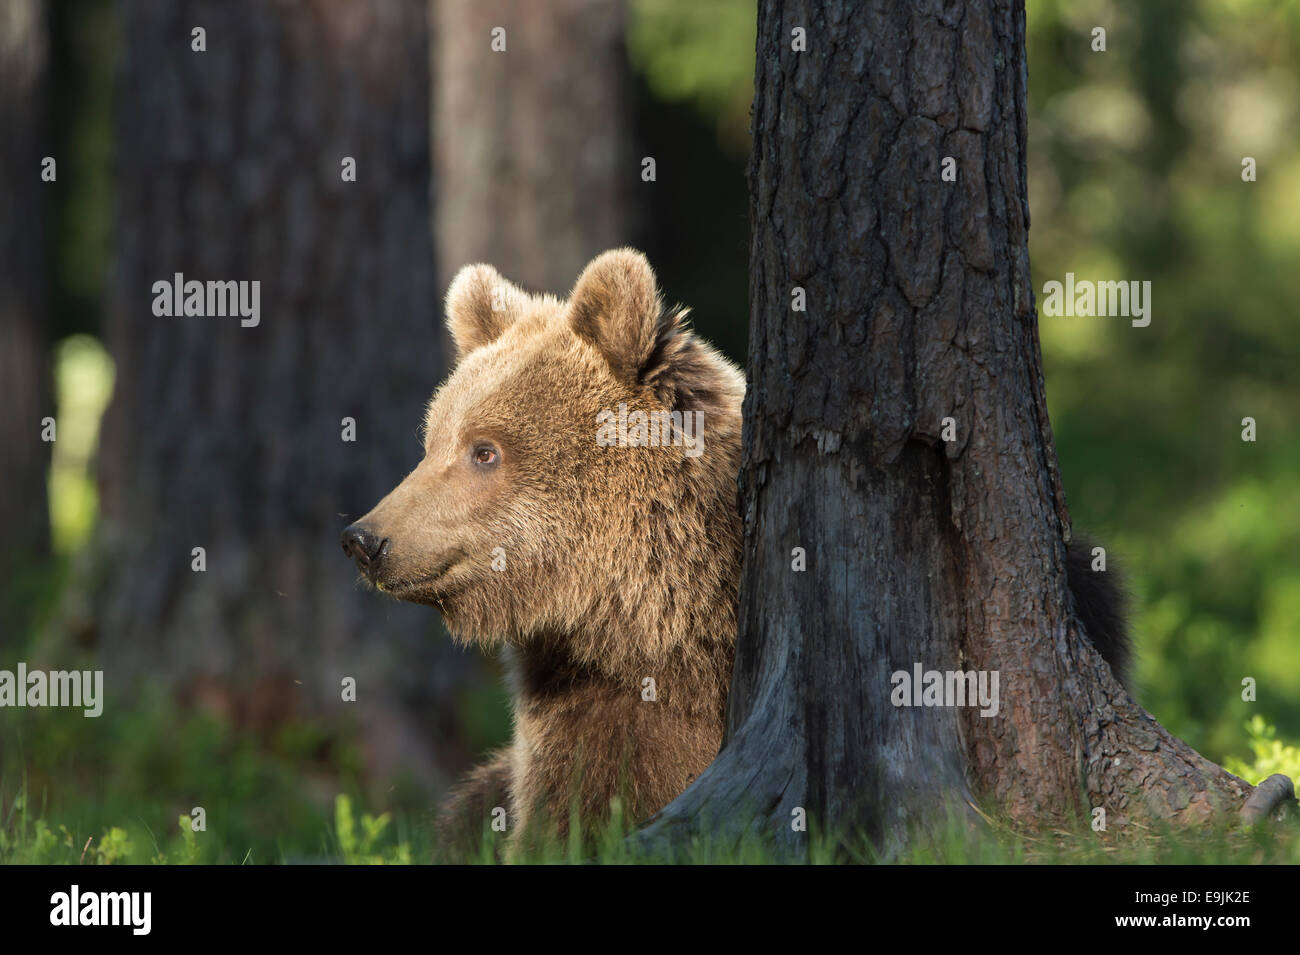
x,y
919,550
24,292
229,438
532,164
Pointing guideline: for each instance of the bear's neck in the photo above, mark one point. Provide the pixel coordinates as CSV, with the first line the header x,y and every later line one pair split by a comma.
x,y
689,677
584,735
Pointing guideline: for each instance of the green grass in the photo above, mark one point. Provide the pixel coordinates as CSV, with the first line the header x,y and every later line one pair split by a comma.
x,y
369,840
258,811
121,789
115,787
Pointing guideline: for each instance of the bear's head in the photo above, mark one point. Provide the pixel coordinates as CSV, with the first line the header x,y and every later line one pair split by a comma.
x,y
579,474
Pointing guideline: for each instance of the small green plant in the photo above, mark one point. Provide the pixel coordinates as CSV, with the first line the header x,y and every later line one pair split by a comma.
x,y
23,839
362,848
113,846
1271,754
189,851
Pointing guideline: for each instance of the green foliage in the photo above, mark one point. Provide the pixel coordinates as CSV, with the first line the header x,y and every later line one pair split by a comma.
x,y
27,837
1135,173
83,374
189,850
137,767
1271,755
24,838
362,848
701,53
114,846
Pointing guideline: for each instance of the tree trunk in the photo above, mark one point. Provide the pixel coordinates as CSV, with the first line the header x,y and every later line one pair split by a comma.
x,y
946,553
533,168
25,313
230,166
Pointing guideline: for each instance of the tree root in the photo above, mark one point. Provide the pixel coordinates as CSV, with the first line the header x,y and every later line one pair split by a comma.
x,y
1276,792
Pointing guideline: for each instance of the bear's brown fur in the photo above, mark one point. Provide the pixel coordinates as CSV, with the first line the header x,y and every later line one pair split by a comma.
x,y
616,565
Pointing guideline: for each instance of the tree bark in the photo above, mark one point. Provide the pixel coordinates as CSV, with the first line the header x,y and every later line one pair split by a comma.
x,y
533,167
25,311
230,438
950,554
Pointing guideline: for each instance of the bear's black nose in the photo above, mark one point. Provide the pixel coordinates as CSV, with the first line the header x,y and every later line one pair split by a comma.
x,y
364,547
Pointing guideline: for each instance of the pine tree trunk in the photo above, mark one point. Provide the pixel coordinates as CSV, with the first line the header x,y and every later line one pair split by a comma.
x,y
25,314
533,167
230,438
919,550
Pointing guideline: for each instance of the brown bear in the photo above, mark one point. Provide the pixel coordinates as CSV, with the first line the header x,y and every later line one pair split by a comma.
x,y
576,506
605,562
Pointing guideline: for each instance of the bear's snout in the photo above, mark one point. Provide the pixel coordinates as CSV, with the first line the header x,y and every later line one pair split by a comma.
x,y
365,548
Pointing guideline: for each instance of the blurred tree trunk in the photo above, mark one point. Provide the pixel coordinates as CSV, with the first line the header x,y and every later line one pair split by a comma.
x,y
229,438
533,163
25,312
946,553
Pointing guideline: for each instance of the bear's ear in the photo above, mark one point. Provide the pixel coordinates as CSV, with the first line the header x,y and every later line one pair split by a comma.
x,y
480,306
615,307
687,374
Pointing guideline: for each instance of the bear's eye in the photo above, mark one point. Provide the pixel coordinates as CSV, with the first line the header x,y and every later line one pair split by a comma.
x,y
485,454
